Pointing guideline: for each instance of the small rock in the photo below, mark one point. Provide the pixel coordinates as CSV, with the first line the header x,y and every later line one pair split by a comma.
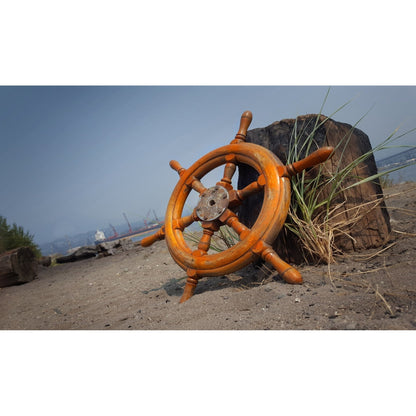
x,y
297,300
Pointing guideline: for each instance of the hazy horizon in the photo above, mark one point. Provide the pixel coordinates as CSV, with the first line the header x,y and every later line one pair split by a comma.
x,y
75,158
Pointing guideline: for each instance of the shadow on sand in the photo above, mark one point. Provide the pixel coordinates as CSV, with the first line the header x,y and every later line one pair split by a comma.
x,y
245,279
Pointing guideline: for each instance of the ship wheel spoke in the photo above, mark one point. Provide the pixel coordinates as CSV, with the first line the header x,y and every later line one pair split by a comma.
x,y
197,185
185,222
231,219
205,242
194,182
253,188
229,171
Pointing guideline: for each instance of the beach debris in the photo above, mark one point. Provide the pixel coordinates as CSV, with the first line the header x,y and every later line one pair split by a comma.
x,y
80,253
17,266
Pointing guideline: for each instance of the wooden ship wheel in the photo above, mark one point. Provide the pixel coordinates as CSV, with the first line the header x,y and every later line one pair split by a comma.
x,y
217,207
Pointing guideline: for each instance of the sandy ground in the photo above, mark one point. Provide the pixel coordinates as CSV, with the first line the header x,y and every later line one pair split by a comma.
x,y
140,289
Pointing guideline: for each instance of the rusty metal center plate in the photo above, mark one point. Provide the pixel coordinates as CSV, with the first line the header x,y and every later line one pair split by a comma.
x,y
212,203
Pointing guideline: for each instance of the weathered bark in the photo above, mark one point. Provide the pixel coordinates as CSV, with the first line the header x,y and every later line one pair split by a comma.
x,y
373,227
17,266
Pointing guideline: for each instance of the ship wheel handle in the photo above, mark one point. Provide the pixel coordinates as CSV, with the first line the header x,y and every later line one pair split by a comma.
x,y
217,205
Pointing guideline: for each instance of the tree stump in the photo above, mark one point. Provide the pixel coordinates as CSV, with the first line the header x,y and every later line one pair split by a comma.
x,y
17,266
372,229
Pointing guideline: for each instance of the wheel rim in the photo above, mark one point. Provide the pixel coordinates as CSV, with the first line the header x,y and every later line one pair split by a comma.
x,y
268,224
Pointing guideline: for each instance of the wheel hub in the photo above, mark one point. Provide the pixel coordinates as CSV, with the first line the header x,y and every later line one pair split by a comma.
x,y
212,203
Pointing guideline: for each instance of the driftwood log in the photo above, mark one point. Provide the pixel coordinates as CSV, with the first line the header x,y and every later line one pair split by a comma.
x,y
111,247
79,254
17,266
373,227
100,250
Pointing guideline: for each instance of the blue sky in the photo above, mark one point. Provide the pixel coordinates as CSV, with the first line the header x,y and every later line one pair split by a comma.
x,y
74,159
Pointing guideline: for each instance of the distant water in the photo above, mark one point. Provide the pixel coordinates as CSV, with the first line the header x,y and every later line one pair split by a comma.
x,y
141,236
400,159
407,174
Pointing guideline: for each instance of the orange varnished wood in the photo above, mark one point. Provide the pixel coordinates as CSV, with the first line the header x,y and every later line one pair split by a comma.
x,y
148,241
190,285
244,125
229,171
252,188
184,222
197,185
176,166
315,158
254,242
288,273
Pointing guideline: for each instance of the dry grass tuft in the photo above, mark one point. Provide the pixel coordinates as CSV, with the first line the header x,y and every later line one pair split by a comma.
x,y
316,219
223,240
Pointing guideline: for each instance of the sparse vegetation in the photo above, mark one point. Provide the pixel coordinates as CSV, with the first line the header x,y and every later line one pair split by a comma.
x,y
15,236
223,240
386,181
312,217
